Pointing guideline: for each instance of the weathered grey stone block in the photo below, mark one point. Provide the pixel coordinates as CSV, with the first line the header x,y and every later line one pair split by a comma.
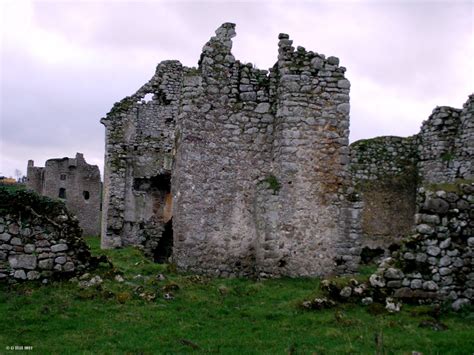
x,y
33,275
60,260
15,241
22,261
5,237
433,250
29,248
19,274
46,264
59,247
344,84
68,267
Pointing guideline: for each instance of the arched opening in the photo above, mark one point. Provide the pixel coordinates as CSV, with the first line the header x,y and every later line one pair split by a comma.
x,y
165,245
86,195
62,193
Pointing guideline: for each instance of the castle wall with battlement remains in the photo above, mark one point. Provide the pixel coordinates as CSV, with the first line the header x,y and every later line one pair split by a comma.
x,y
256,161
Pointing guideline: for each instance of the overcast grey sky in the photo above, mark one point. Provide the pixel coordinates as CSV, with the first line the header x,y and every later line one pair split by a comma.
x,y
64,63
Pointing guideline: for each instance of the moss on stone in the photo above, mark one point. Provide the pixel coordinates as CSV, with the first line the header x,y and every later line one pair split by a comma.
x,y
273,183
447,156
21,202
122,106
449,186
192,72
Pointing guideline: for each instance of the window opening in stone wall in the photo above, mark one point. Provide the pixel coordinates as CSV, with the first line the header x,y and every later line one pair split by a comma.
x,y
86,195
165,245
63,177
148,97
161,182
62,193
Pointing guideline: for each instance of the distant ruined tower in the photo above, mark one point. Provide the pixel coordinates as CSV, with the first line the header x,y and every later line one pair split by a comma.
x,y
74,181
231,170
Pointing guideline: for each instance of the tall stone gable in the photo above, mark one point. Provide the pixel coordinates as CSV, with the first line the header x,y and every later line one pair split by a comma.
x,y
249,167
74,181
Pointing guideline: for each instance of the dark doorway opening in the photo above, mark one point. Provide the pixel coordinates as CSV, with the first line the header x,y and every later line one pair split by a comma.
x,y
62,193
165,245
370,255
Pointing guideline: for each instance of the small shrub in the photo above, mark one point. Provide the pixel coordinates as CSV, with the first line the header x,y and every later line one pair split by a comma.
x,y
273,183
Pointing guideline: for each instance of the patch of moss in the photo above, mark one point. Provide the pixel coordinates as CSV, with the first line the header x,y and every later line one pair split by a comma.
x,y
447,156
409,179
20,201
263,81
122,106
449,186
273,183
192,72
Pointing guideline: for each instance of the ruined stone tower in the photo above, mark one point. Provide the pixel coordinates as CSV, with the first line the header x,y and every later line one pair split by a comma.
x,y
74,181
240,170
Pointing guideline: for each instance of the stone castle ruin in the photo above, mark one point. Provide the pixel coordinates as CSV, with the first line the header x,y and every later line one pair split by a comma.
x,y
233,171
248,169
75,182
388,171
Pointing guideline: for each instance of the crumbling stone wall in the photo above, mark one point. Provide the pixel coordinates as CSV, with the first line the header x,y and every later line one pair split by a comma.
x,y
436,262
140,149
384,170
258,164
446,144
74,181
387,171
39,238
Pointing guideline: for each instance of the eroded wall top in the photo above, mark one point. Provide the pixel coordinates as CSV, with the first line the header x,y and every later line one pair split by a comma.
x,y
259,163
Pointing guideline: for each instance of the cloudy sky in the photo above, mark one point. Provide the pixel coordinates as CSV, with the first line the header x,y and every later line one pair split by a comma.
x,y
64,63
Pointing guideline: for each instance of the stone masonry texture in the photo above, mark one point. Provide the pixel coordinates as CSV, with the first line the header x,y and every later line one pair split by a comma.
x,y
435,170
435,262
75,182
230,170
39,238
388,170
384,170
251,167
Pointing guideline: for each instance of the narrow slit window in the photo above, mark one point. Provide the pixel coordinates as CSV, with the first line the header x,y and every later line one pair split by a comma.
x,y
63,177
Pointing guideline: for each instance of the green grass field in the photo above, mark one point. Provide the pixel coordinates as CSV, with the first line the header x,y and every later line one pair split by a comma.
x,y
228,316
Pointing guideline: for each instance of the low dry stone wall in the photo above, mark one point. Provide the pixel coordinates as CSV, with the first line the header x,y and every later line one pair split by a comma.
x,y
39,238
436,262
